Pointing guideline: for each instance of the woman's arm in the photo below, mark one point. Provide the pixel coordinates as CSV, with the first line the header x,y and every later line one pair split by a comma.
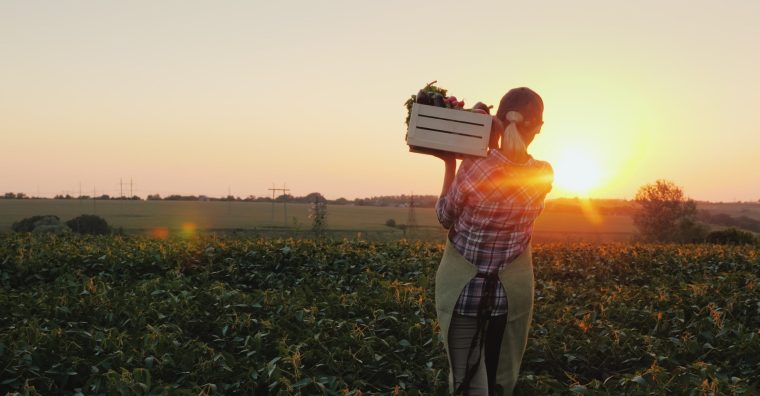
x,y
446,208
451,167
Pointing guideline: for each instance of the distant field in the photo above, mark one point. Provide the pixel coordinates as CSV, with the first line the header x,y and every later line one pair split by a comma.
x,y
751,210
144,216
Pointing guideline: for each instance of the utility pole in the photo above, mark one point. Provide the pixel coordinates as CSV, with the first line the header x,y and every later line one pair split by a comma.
x,y
121,188
411,220
284,190
131,184
273,190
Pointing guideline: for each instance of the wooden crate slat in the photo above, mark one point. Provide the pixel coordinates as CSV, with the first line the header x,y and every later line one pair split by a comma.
x,y
449,130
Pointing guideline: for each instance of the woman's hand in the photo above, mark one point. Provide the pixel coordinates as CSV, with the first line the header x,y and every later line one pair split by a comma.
x,y
446,156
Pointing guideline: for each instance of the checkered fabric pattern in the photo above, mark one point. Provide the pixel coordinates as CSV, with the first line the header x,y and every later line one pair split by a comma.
x,y
492,205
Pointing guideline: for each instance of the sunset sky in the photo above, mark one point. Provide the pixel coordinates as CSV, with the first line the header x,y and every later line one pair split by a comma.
x,y
195,97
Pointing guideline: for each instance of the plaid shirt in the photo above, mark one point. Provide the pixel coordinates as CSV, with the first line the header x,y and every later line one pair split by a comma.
x,y
492,205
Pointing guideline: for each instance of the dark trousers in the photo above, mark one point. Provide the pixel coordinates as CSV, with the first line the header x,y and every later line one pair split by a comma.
x,y
461,333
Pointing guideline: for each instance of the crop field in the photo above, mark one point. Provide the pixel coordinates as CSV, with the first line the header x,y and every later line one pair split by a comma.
x,y
208,315
177,217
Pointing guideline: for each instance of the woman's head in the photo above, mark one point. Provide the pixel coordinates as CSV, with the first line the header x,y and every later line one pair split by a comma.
x,y
521,111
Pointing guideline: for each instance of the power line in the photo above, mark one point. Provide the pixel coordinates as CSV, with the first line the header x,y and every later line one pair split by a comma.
x,y
285,191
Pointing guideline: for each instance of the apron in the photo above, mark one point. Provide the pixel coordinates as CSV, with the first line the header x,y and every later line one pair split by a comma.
x,y
454,273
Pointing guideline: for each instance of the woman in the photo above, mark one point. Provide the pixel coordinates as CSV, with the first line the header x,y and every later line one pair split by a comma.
x,y
484,284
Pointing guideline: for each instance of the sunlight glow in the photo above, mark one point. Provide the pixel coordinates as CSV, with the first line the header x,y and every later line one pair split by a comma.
x,y
576,171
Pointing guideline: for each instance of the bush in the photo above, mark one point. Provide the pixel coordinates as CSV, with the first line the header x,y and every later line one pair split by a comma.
x,y
732,236
59,228
89,224
390,223
30,223
690,231
318,216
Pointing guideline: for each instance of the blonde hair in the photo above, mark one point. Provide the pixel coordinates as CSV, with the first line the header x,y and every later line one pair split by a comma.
x,y
511,140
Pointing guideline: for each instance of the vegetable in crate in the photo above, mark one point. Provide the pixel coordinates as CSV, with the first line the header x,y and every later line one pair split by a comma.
x,y
438,100
432,95
430,90
423,98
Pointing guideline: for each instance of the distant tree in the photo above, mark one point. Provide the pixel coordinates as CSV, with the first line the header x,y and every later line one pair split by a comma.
x,y
318,216
390,223
732,236
311,197
665,215
341,201
176,197
284,197
89,224
15,196
154,197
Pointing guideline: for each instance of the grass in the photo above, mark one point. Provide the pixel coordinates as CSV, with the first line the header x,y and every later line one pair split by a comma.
x,y
141,217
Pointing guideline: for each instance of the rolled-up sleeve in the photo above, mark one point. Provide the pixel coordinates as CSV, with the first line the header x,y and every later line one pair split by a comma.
x,y
449,207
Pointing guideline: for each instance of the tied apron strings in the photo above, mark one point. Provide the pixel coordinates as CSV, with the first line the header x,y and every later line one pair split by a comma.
x,y
485,307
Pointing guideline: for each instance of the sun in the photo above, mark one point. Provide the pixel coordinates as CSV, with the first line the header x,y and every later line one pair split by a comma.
x,y
576,172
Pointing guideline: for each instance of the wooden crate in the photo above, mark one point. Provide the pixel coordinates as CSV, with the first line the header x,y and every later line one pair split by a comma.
x,y
457,131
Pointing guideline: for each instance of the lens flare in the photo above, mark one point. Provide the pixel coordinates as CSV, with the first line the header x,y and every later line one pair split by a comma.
x,y
590,211
188,230
160,232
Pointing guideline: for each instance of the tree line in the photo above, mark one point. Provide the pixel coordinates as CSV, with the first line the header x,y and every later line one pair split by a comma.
x,y
423,201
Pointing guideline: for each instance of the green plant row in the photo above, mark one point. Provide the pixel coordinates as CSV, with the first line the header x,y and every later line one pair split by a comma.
x,y
132,315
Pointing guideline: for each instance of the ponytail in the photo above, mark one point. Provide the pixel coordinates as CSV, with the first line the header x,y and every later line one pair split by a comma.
x,y
512,140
